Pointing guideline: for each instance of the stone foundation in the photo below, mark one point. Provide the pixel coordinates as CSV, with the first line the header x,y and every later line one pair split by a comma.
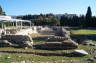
x,y
20,40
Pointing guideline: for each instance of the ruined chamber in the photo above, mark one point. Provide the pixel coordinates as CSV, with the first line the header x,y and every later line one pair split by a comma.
x,y
61,40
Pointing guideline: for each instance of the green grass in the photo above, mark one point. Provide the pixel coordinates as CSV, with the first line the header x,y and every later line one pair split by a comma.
x,y
94,42
30,57
85,47
34,50
83,32
36,58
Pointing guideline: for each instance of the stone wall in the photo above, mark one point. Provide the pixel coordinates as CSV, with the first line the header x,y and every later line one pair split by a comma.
x,y
20,40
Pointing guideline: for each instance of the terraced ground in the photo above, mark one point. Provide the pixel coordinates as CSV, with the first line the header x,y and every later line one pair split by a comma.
x,y
9,57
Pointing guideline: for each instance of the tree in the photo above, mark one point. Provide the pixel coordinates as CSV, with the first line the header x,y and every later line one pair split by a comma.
x,y
82,21
54,21
89,13
1,11
88,17
64,21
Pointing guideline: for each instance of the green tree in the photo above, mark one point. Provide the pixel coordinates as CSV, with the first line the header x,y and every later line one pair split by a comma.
x,y
89,13
88,17
1,11
55,21
64,21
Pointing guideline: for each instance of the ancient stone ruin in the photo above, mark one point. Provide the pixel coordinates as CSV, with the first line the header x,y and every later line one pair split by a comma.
x,y
61,40
16,41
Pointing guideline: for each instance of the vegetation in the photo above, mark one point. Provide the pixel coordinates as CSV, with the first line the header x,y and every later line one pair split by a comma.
x,y
51,20
1,11
29,57
83,32
42,19
89,13
79,21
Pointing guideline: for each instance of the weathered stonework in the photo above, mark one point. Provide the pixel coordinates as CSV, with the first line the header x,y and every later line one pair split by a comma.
x,y
19,40
61,40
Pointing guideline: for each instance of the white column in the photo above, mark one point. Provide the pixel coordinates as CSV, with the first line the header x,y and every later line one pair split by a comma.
x,y
30,24
21,25
2,25
16,24
13,24
4,29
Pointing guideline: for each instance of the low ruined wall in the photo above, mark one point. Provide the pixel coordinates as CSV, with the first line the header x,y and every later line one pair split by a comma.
x,y
21,40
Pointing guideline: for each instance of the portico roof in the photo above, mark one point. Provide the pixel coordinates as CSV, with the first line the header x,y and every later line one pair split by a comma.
x,y
9,19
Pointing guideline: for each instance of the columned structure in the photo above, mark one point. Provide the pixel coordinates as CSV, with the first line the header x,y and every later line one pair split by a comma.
x,y
18,23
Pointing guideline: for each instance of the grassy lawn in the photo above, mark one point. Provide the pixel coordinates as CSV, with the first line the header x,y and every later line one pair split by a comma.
x,y
83,32
29,57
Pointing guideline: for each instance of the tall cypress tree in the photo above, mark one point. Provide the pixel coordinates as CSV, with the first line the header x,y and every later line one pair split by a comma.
x,y
89,13
1,11
88,17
